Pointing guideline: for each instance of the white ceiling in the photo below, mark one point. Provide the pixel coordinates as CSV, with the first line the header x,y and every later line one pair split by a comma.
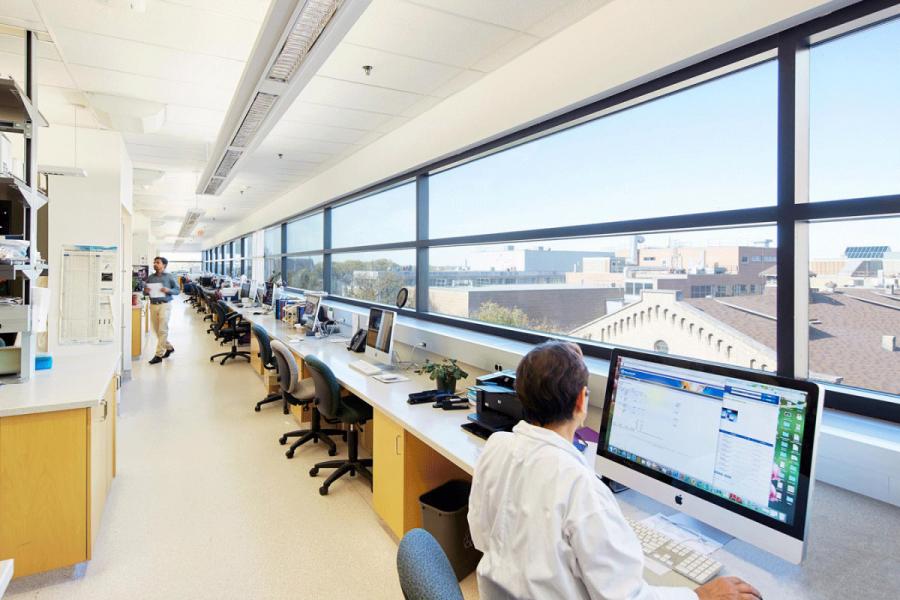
x,y
188,56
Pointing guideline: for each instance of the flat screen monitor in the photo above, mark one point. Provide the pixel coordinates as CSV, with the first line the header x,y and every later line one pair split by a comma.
x,y
380,335
245,289
254,289
311,310
267,295
732,448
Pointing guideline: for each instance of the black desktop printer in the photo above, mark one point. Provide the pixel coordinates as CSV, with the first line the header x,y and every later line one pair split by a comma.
x,y
497,406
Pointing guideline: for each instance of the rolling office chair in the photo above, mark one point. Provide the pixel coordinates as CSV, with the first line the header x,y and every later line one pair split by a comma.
x,y
425,571
301,392
230,327
349,410
268,361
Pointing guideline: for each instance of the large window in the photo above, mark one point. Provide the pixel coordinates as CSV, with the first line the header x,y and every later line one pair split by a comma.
x,y
388,216
854,118
710,294
305,234
708,147
374,276
304,272
692,215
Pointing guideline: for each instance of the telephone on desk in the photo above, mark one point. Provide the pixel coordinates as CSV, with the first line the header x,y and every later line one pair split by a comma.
x,y
358,341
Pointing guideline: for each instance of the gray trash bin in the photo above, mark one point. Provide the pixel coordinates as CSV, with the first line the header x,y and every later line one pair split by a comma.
x,y
444,511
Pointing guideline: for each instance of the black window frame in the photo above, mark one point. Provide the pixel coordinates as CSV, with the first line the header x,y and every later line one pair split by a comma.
x,y
790,48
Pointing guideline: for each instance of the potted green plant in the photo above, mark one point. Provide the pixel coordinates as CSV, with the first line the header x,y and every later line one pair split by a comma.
x,y
445,374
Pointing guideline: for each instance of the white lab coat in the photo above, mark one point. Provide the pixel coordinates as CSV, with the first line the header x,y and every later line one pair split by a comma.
x,y
549,528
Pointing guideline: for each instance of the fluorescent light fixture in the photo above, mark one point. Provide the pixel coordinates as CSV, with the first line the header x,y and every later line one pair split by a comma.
x,y
312,20
259,110
293,43
190,221
62,171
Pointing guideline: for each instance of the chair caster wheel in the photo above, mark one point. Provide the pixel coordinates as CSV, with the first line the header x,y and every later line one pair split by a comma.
x,y
323,491
352,473
332,451
256,408
289,454
287,411
314,471
210,360
282,440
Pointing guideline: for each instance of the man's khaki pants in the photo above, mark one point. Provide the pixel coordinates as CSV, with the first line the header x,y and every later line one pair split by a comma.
x,y
159,319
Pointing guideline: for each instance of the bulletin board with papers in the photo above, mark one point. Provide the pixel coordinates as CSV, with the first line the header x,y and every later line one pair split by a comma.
x,y
87,288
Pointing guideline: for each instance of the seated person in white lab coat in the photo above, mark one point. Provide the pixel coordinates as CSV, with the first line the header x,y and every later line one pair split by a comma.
x,y
548,527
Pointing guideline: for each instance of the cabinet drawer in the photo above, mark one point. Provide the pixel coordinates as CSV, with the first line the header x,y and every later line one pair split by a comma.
x,y
15,318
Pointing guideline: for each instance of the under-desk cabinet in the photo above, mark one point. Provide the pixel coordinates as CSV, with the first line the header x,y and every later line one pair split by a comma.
x,y
56,469
404,468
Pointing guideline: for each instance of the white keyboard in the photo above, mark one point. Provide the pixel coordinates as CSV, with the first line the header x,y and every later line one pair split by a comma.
x,y
695,566
364,367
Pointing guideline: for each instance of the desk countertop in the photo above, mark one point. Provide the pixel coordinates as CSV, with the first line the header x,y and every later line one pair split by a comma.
x,y
851,552
73,382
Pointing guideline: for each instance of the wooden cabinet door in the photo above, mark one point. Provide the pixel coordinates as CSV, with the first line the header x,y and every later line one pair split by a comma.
x,y
43,496
388,478
103,456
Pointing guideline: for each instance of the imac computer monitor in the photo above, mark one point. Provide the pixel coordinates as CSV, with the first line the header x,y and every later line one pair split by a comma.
x,y
729,447
267,296
311,310
245,289
380,335
254,289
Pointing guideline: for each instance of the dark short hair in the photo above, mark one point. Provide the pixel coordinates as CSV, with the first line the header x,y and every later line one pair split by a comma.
x,y
163,260
548,381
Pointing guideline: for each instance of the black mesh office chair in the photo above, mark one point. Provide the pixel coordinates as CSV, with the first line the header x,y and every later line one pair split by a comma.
x,y
349,410
230,327
302,394
269,363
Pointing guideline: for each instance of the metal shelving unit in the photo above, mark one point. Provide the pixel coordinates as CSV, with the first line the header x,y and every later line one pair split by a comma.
x,y
19,115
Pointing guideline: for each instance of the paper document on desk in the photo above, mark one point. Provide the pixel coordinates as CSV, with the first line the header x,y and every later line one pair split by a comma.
x,y
155,290
669,526
390,378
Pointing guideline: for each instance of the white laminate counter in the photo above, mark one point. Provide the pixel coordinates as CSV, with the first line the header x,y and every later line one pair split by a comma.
x,y
73,382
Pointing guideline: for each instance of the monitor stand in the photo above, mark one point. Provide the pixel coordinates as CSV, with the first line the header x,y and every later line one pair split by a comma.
x,y
698,528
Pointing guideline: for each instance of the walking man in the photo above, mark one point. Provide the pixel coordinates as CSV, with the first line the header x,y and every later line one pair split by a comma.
x,y
160,307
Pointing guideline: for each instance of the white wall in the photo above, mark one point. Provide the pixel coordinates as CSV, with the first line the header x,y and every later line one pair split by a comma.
x,y
623,43
84,210
142,251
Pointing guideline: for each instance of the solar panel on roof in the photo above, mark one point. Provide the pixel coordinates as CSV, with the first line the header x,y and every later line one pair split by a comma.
x,y
866,251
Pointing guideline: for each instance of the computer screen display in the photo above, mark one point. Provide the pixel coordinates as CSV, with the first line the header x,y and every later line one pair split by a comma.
x,y
745,441
245,289
254,289
267,297
311,308
380,330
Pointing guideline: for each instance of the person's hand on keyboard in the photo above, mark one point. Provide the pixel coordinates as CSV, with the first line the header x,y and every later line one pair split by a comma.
x,y
728,588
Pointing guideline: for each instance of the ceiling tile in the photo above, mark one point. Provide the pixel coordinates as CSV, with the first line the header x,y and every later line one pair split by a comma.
x,y
513,14
138,58
424,33
515,47
389,70
322,90
163,24
314,131
306,112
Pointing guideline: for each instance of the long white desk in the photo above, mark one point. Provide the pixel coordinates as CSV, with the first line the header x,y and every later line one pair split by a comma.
x,y
853,547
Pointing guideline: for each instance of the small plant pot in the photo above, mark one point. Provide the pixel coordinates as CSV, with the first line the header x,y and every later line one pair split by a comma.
x,y
446,384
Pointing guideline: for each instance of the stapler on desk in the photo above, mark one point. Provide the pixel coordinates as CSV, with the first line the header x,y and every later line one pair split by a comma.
x,y
452,403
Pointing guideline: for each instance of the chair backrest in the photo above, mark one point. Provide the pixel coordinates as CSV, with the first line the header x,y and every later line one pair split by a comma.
x,y
328,391
265,347
288,371
424,570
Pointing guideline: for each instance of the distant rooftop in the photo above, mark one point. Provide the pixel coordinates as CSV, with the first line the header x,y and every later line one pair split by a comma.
x,y
845,332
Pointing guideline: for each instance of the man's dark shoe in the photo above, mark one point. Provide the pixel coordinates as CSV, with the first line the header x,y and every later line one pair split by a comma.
x,y
155,360
168,352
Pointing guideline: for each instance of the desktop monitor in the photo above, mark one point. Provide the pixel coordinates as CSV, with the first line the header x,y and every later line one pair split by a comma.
x,y
254,289
245,289
732,448
312,310
267,296
380,335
